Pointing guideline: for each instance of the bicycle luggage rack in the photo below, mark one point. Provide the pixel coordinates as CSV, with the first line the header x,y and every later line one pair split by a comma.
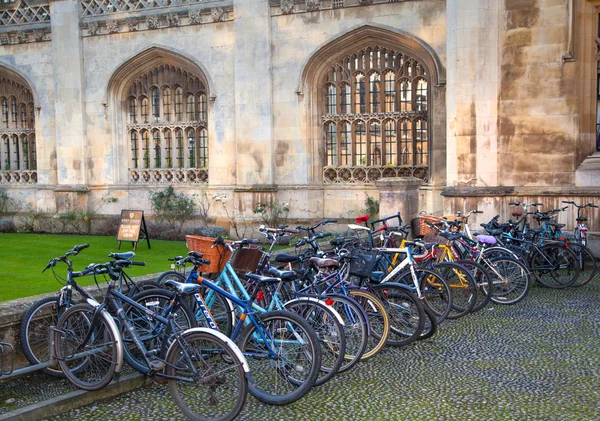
x,y
7,359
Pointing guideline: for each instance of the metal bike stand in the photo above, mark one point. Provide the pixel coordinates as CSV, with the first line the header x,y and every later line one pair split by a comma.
x,y
7,360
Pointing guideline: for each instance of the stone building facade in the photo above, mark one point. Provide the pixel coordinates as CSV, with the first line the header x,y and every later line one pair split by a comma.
x,y
307,102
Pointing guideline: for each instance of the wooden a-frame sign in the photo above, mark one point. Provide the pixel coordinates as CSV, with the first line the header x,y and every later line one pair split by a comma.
x,y
131,225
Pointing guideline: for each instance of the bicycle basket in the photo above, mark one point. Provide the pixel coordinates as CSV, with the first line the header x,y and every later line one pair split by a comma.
x,y
362,264
218,255
246,259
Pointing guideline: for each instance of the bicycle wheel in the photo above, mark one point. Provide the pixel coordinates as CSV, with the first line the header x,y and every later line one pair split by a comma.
x,y
462,284
405,312
34,332
152,332
143,286
430,326
434,290
210,381
483,281
554,266
356,328
90,366
169,275
510,280
284,355
587,263
378,320
330,332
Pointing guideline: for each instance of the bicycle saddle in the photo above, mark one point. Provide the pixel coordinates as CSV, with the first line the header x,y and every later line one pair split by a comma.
x,y
487,239
286,275
183,289
262,279
324,262
286,258
128,255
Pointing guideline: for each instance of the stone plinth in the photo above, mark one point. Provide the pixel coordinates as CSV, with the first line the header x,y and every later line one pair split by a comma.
x,y
399,194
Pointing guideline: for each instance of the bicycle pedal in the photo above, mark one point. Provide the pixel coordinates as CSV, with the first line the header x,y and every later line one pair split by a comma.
x,y
156,365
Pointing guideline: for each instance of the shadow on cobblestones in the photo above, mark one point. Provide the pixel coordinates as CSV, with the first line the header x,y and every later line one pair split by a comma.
x,y
537,360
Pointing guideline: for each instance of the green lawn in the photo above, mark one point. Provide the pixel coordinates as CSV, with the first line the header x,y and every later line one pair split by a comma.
x,y
23,256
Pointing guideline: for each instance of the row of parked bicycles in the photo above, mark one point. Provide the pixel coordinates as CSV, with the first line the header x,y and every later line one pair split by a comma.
x,y
233,318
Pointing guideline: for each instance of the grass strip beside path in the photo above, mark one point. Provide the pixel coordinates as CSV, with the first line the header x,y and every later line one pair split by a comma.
x,y
23,256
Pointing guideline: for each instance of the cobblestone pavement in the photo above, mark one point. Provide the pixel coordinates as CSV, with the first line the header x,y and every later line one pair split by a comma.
x,y
537,360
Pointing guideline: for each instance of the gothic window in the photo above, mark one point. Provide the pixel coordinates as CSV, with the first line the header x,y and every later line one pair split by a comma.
x,y
17,133
375,113
166,111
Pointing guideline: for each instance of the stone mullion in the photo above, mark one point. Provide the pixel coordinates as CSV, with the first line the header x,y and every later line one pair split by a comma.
x,y
2,153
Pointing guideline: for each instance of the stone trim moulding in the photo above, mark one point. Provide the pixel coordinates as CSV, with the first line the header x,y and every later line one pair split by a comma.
x,y
169,176
23,14
519,191
287,7
18,177
571,35
91,8
146,22
39,34
362,175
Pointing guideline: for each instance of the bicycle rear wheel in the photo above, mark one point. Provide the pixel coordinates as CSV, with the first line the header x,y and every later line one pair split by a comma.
x,y
587,263
554,266
211,383
462,284
483,281
378,320
356,328
434,290
34,332
406,314
90,366
510,279
284,355
330,332
430,326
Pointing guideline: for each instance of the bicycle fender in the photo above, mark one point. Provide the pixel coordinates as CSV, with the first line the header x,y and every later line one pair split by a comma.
x,y
316,300
113,325
236,350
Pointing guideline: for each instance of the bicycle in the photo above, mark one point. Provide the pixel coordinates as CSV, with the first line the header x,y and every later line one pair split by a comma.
x,y
89,349
581,229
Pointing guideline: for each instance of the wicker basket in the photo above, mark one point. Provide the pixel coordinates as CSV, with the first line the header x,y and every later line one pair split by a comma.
x,y
218,255
246,259
421,229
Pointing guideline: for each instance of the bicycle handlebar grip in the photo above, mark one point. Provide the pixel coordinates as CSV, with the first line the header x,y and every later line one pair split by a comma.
x,y
80,247
291,230
477,211
245,241
325,234
514,204
330,221
138,263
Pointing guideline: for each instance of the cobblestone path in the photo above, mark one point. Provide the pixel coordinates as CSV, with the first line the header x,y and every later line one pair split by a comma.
x,y
537,360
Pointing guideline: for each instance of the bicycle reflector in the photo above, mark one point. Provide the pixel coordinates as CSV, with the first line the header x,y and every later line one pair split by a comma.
x,y
260,296
329,301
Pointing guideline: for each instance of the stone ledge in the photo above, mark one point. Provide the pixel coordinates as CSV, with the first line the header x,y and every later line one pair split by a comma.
x,y
519,191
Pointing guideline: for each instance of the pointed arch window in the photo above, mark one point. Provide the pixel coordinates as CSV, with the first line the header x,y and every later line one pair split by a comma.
x,y
17,133
379,101
166,112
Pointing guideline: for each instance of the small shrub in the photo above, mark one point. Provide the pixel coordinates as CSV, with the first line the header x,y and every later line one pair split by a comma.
x,y
172,208
372,207
274,213
7,226
106,225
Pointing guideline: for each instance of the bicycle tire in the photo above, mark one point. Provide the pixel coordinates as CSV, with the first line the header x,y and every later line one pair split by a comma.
x,y
462,284
219,380
34,332
267,372
330,332
588,264
434,290
157,300
92,368
405,312
483,282
565,271
379,321
356,328
143,286
430,325
510,278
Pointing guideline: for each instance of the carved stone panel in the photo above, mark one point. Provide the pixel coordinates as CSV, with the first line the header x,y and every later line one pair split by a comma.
x,y
22,37
195,17
132,24
218,14
93,28
152,22
313,5
172,19
287,6
112,26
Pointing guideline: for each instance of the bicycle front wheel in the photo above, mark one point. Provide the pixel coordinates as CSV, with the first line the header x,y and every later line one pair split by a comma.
x,y
90,365
210,381
284,355
483,281
462,284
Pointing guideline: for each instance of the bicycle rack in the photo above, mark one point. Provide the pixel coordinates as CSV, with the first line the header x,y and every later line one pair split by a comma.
x,y
7,359
7,363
